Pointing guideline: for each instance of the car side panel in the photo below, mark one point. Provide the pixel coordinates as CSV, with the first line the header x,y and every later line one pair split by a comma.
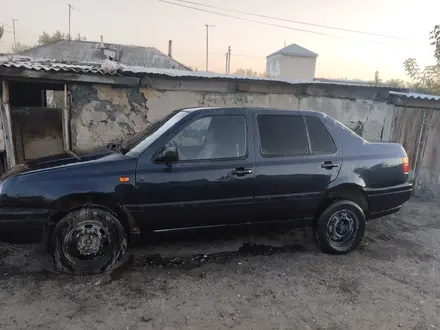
x,y
376,168
18,225
195,193
289,188
32,197
41,189
383,199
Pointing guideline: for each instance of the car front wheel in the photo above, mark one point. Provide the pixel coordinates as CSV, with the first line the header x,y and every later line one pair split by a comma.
x,y
340,228
87,241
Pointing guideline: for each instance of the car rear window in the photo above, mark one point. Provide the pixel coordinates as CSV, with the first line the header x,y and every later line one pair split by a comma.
x,y
320,140
282,135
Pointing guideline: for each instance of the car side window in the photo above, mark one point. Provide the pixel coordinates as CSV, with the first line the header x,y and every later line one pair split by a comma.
x,y
320,140
193,135
282,135
212,137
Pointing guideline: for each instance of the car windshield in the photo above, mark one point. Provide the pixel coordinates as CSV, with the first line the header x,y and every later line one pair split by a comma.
x,y
140,136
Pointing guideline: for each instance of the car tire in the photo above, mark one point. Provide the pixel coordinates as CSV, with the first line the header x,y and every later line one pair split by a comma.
x,y
87,241
340,228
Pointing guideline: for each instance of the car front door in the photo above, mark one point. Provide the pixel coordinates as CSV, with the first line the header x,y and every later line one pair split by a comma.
x,y
296,159
211,183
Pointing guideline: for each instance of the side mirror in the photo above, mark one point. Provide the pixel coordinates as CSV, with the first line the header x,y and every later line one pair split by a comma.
x,y
167,155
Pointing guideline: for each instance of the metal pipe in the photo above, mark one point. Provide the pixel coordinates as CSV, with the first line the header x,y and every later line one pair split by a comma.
x,y
7,126
170,48
66,120
226,68
418,145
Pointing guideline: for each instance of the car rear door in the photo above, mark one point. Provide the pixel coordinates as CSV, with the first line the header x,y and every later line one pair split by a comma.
x,y
211,184
296,160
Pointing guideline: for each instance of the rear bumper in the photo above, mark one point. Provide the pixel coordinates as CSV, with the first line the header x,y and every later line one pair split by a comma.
x,y
22,226
385,201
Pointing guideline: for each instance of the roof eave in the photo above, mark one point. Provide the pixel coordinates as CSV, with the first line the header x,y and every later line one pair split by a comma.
x,y
411,102
63,77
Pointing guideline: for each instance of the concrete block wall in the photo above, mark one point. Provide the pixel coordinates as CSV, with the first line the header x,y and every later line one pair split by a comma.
x,y
369,118
102,114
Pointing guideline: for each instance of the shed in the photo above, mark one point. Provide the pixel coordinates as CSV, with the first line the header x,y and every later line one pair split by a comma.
x,y
292,62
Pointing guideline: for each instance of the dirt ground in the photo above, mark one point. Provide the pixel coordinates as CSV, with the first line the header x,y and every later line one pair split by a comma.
x,y
241,280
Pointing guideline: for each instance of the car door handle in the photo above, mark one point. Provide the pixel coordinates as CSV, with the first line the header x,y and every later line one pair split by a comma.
x,y
328,165
242,171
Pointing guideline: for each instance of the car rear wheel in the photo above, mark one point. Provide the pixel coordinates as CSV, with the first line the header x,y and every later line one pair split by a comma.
x,y
89,240
340,228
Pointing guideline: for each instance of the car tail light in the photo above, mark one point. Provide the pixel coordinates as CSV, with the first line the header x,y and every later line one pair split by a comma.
x,y
405,163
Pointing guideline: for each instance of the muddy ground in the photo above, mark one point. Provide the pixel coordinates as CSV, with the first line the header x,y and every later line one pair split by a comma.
x,y
241,280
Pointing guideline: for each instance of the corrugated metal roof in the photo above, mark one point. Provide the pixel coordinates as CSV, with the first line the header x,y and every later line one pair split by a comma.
x,y
417,96
199,74
23,62
355,82
90,51
294,50
214,75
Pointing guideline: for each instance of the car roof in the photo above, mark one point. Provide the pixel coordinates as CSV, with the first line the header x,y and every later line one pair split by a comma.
x,y
255,109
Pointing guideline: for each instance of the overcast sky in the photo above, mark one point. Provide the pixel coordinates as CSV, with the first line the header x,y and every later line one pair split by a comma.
x,y
153,23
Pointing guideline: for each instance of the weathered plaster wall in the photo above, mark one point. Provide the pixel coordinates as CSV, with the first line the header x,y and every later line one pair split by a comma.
x,y
101,114
370,119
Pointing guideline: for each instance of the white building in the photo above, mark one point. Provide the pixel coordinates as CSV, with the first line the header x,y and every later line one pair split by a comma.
x,y
292,62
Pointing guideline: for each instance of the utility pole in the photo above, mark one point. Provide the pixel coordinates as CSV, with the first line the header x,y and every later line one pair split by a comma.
x,y
207,42
229,59
13,28
70,8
